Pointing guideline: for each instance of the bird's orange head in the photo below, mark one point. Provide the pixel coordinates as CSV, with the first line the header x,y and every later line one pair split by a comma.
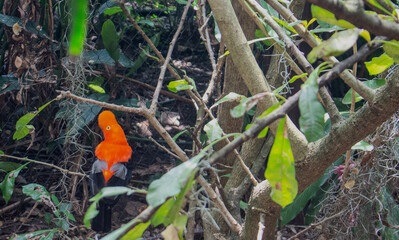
x,y
113,132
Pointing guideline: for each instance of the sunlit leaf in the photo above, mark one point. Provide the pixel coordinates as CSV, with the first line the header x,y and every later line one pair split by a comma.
x,y
392,49
311,121
78,28
280,171
335,46
110,39
326,16
362,145
179,85
379,64
97,88
136,232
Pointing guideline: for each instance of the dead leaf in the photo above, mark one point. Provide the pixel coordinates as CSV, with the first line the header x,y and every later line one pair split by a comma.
x,y
16,29
349,184
18,62
170,233
170,118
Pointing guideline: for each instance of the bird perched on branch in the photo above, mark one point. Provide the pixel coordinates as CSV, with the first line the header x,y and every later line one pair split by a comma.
x,y
109,169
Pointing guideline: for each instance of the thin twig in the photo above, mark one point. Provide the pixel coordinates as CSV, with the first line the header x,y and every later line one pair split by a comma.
x,y
172,44
261,226
314,225
45,164
163,148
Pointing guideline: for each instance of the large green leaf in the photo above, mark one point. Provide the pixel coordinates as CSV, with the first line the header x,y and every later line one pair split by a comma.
x,y
7,186
78,28
172,182
379,64
326,16
391,207
311,120
280,171
34,235
111,39
335,46
374,84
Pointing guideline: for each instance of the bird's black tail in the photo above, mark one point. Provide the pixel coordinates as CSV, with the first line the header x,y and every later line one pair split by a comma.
x,y
102,222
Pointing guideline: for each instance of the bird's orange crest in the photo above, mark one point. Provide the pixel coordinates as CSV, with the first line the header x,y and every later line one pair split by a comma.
x,y
115,147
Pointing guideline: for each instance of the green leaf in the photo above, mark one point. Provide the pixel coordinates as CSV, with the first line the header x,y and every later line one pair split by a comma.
x,y
136,232
280,171
147,22
172,182
90,214
142,58
232,96
311,121
102,57
159,217
363,146
35,191
105,192
78,28
213,130
175,137
7,186
392,49
9,166
241,108
374,84
97,88
179,85
335,46
8,83
112,11
379,64
110,39
326,16
379,6
22,129
293,79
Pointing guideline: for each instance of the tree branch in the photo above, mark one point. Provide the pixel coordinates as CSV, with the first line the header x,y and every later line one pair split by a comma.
x,y
358,17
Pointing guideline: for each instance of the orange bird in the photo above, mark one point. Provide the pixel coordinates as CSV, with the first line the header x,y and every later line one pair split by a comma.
x,y
109,169
114,148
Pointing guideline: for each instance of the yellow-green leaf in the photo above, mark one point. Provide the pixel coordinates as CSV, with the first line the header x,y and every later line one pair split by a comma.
x,y
328,17
97,88
136,232
392,49
280,171
179,85
379,64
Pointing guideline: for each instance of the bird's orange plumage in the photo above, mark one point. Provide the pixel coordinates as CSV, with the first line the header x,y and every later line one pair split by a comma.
x,y
114,148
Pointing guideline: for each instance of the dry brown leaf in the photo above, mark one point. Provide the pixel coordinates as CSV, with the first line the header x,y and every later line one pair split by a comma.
x,y
349,184
16,29
170,233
